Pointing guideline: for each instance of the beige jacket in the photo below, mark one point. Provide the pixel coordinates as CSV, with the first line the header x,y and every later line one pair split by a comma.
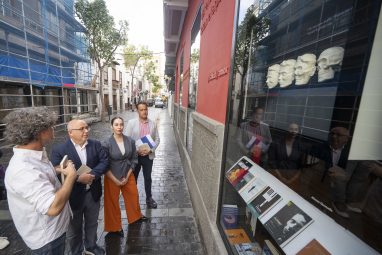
x,y
132,130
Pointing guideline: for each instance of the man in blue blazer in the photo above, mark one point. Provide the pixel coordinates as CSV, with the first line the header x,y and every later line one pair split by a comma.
x,y
87,191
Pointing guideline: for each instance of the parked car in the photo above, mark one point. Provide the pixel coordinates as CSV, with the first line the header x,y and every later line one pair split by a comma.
x,y
150,102
158,103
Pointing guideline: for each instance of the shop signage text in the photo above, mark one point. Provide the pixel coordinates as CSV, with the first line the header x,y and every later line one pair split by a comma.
x,y
217,74
209,9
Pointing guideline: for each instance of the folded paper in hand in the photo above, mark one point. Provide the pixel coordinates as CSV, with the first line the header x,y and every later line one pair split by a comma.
x,y
148,140
84,169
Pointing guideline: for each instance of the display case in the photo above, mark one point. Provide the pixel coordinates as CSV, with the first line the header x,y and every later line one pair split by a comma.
x,y
299,105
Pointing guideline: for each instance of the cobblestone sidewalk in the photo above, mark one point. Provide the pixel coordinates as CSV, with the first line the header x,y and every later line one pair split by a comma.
x,y
171,229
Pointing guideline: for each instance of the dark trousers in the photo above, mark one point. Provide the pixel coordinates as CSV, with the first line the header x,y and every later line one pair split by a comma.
x,y
147,164
87,214
56,247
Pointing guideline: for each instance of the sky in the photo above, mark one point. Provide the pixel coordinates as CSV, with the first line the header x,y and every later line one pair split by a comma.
x,y
145,19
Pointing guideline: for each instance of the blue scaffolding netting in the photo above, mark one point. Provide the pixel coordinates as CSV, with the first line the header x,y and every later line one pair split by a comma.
x,y
43,44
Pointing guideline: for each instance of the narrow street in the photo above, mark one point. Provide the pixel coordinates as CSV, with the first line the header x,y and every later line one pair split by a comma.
x,y
172,227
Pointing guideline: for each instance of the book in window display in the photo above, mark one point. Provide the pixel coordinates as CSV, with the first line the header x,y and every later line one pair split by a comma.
x,y
313,248
252,189
237,236
248,249
229,216
239,174
287,223
265,201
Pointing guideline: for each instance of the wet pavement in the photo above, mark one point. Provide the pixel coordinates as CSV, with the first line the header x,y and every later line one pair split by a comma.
x,y
171,228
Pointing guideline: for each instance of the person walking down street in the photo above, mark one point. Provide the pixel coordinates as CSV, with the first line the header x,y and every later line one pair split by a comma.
x,y
91,162
138,128
37,201
120,179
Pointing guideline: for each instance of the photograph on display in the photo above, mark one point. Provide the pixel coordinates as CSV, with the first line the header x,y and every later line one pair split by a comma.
x,y
248,248
252,189
239,174
265,201
313,247
287,223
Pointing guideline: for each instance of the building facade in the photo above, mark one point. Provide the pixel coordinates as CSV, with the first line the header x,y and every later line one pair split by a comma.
x,y
43,58
277,114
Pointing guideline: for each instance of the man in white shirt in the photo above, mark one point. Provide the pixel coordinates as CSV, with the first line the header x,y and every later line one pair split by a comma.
x,y
37,201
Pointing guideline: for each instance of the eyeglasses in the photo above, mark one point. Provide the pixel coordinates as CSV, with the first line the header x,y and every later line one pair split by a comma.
x,y
82,129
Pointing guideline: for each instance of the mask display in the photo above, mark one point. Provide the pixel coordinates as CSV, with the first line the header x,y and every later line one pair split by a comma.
x,y
273,76
305,68
286,76
329,62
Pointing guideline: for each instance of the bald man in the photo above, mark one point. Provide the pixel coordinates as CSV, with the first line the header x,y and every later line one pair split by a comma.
x,y
88,155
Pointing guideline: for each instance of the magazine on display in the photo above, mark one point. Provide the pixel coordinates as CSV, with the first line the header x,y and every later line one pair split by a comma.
x,y
287,223
239,174
266,200
269,249
229,216
313,248
252,189
251,219
248,248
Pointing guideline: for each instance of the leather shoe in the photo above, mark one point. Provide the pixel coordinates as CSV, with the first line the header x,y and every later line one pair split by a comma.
x,y
151,203
96,251
143,218
116,233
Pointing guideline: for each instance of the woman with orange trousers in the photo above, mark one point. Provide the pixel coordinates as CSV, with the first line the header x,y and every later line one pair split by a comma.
x,y
120,179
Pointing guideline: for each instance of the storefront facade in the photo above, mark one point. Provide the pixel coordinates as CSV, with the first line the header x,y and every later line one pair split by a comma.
x,y
293,86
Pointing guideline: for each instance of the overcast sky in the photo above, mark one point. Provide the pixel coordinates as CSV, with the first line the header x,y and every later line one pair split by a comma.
x,y
145,19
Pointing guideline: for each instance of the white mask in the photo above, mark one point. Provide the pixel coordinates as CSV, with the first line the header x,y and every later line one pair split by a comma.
x,y
286,76
273,76
305,68
329,62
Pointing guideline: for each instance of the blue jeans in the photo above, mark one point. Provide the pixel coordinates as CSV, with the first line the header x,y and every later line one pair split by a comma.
x,y
55,247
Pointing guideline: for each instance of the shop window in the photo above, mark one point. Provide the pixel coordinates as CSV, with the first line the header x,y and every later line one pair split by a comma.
x,y
299,91
193,80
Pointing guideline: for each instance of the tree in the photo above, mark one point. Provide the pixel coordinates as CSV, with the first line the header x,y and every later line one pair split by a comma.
x,y
132,56
102,35
152,77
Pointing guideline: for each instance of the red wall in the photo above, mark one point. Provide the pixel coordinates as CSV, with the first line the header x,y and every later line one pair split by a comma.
x,y
215,56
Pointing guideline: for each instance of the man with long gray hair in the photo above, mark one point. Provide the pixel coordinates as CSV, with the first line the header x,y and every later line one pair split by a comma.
x,y
37,201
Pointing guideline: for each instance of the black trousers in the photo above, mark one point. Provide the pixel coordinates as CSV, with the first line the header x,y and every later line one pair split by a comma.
x,y
147,164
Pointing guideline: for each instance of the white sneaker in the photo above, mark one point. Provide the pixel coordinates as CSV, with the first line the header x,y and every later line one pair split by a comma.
x,y
87,253
3,242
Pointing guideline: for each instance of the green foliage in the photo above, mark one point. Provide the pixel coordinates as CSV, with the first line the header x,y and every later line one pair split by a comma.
x,y
133,55
150,74
100,30
250,32
102,35
195,56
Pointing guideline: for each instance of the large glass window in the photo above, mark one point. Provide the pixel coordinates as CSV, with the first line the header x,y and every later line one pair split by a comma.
x,y
193,81
299,80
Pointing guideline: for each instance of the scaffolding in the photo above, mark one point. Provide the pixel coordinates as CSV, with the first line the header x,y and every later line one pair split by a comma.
x,y
43,58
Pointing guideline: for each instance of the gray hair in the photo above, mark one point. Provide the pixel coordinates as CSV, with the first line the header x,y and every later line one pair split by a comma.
x,y
24,125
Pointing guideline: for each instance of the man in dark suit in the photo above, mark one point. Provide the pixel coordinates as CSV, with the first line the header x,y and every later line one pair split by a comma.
x,y
337,167
87,191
